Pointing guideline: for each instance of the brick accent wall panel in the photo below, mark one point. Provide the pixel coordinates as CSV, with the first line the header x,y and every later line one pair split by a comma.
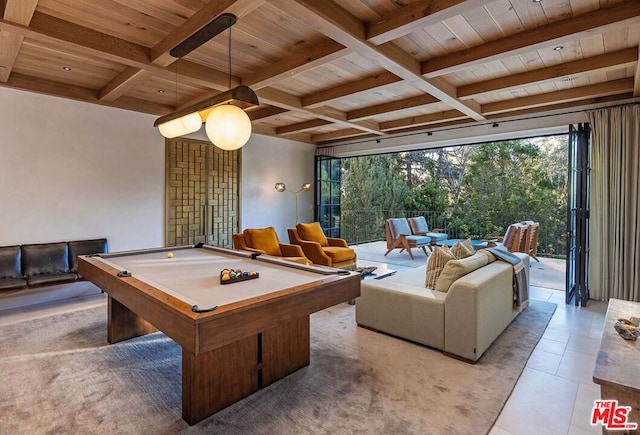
x,y
202,193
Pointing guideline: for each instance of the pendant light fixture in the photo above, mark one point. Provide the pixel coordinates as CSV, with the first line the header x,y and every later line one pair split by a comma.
x,y
228,126
226,123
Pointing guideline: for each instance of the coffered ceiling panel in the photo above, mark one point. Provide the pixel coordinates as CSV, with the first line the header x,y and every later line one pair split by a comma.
x,y
328,71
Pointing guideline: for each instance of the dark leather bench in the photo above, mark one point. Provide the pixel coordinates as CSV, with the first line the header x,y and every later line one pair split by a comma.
x,y
42,264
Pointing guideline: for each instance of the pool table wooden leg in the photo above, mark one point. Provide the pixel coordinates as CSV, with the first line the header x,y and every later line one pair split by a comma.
x,y
215,379
123,324
285,349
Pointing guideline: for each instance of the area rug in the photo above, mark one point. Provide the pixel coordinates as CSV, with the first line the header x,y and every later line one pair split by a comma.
x,y
58,375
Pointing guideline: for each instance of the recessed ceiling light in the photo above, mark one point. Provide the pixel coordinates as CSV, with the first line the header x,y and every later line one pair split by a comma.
x,y
558,48
537,1
161,91
66,68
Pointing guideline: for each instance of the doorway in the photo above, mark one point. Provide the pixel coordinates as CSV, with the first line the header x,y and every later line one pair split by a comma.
x,y
201,193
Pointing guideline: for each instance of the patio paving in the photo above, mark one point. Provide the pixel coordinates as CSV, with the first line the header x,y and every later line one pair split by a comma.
x,y
548,273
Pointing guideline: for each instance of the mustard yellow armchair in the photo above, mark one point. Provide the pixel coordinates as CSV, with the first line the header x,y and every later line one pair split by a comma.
x,y
265,241
320,249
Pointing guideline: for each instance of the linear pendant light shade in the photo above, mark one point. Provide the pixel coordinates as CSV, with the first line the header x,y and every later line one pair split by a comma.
x,y
241,96
180,126
226,123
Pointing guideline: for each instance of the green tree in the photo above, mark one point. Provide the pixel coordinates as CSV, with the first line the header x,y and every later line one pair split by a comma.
x,y
372,183
505,183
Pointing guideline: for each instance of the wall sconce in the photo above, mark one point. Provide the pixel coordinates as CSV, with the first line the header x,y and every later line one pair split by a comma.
x,y
281,187
226,123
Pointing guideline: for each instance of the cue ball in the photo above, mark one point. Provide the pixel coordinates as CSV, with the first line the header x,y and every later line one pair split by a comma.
x,y
169,254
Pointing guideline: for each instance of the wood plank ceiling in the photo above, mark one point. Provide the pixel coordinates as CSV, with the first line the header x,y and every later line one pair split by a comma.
x,y
331,70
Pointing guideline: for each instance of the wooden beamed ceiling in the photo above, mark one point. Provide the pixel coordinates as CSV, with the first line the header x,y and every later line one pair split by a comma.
x,y
326,71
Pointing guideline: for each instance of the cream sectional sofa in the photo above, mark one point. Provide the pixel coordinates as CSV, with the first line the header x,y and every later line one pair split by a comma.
x,y
462,321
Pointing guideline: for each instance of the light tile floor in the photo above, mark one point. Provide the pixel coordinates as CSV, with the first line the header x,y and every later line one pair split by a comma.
x,y
554,394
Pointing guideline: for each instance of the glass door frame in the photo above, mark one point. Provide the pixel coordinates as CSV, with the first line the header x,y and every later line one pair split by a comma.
x,y
578,200
328,194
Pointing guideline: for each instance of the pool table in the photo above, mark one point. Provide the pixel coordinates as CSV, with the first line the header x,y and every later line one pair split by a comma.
x,y
235,338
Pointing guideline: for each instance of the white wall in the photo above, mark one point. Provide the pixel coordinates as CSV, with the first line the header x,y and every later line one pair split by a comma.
x,y
265,161
71,170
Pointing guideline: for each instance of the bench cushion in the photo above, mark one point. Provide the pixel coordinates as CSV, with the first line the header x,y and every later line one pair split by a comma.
x,y
10,263
51,278
45,258
85,247
12,283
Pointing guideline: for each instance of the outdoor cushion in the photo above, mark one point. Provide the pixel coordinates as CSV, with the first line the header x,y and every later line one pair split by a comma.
x,y
419,240
455,269
437,260
312,232
437,237
418,225
399,227
264,239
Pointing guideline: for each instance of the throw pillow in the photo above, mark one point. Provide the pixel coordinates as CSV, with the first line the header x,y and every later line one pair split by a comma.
x,y
460,251
456,269
467,244
437,260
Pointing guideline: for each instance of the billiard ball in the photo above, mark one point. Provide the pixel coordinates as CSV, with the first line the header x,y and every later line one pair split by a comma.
x,y
169,254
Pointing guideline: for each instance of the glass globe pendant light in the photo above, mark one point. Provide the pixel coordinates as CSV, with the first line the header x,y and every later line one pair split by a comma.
x,y
227,126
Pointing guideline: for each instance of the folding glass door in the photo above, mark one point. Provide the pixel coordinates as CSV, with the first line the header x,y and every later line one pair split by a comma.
x,y
578,195
328,178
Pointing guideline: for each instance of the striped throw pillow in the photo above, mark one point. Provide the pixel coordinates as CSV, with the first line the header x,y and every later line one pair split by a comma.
x,y
460,251
437,260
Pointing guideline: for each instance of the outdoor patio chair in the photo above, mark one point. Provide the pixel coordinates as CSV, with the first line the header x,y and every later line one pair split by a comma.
x,y
399,236
513,238
419,227
265,241
530,240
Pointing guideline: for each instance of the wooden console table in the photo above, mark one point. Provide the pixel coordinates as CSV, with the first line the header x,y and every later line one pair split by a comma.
x,y
617,368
